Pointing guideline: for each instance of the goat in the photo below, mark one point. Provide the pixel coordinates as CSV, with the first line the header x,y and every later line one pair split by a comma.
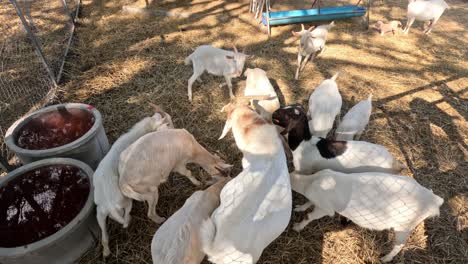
x,y
312,41
258,84
375,201
219,62
177,241
383,28
107,195
256,205
430,10
312,154
355,121
324,106
148,162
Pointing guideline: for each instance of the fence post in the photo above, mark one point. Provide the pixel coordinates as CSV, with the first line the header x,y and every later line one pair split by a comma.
x,y
67,10
35,43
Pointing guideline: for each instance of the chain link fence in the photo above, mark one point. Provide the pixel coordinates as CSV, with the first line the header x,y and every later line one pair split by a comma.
x,y
35,36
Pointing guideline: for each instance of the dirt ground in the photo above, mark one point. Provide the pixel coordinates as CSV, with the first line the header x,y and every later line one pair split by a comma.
x,y
122,62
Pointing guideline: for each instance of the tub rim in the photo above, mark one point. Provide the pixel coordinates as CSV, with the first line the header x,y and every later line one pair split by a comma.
x,y
71,226
39,153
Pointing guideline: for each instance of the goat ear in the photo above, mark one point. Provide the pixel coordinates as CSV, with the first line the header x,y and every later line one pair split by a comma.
x,y
311,28
226,129
229,57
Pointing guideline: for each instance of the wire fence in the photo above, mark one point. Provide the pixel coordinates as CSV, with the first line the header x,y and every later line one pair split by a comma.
x,y
34,42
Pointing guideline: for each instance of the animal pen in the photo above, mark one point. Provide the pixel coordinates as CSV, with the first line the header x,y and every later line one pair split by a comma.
x,y
36,37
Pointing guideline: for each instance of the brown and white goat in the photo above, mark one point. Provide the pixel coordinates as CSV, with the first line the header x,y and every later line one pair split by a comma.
x,y
256,202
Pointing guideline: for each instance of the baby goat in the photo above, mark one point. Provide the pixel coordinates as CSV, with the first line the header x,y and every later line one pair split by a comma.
x,y
383,28
258,84
430,10
324,106
177,241
355,121
107,196
312,154
148,162
376,201
312,41
256,205
219,62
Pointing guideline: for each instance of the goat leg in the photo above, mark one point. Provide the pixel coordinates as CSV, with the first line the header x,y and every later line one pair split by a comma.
x,y
304,62
299,58
400,240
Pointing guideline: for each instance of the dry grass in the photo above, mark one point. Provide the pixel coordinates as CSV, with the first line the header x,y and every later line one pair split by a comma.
x,y
122,62
24,82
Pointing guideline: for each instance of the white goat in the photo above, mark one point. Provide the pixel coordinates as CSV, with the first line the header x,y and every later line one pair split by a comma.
x,y
219,62
148,162
107,196
312,41
324,106
256,205
430,10
355,121
177,241
391,26
312,154
258,84
376,201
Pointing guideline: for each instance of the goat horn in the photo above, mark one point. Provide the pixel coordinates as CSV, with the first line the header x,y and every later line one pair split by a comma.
x,y
234,47
302,27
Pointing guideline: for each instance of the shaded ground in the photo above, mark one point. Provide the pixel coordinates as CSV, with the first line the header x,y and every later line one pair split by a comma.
x,y
419,83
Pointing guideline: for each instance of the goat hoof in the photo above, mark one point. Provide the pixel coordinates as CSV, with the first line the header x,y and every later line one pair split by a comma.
x,y
106,252
386,259
158,219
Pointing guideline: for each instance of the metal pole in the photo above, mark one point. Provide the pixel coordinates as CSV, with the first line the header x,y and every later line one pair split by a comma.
x,y
315,1
35,42
368,12
267,6
357,3
67,10
72,31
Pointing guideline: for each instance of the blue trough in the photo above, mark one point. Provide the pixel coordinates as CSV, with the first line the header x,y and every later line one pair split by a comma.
x,y
311,15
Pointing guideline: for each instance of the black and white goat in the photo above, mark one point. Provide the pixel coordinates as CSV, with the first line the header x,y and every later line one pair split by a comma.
x,y
311,154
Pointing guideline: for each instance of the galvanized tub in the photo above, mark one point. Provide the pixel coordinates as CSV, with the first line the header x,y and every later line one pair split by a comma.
x,y
65,245
90,148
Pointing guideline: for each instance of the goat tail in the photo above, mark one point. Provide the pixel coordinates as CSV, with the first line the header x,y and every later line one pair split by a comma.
x,y
207,234
435,210
130,193
398,165
335,76
188,60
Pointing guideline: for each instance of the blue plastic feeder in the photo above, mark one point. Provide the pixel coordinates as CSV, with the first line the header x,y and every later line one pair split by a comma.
x,y
311,15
